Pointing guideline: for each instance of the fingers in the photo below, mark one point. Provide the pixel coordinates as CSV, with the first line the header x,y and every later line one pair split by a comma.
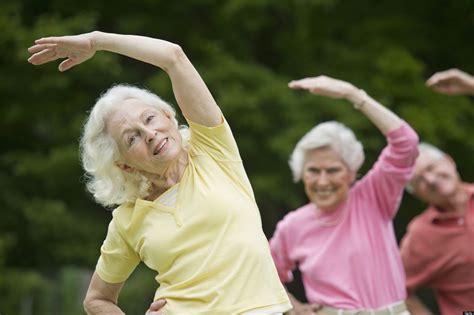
x,y
39,47
67,64
315,307
312,83
436,79
42,53
294,85
442,76
305,83
43,56
306,311
432,80
442,83
49,40
157,305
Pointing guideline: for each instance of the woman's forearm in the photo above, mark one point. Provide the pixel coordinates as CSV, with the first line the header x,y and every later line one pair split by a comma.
x,y
154,51
383,118
101,307
101,297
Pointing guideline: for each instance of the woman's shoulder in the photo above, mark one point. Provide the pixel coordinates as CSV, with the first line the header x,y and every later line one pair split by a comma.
x,y
299,215
123,213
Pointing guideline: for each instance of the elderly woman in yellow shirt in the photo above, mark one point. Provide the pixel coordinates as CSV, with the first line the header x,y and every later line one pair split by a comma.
x,y
185,204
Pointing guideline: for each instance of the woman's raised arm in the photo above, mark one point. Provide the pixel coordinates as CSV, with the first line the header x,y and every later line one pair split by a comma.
x,y
192,95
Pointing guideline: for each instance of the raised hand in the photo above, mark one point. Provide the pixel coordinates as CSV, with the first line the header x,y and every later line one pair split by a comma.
x,y
75,49
383,118
452,82
325,86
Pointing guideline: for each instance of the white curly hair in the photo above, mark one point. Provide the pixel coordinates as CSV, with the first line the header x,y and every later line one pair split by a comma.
x,y
328,134
110,185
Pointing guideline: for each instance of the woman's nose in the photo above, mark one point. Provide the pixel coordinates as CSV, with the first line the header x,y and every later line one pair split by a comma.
x,y
150,134
430,178
322,178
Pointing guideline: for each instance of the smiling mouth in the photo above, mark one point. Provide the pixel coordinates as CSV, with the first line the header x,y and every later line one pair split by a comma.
x,y
324,192
159,147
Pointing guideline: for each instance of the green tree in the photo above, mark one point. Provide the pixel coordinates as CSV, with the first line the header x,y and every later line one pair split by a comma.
x,y
247,51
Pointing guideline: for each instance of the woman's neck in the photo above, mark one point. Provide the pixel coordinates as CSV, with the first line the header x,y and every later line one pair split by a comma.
x,y
169,177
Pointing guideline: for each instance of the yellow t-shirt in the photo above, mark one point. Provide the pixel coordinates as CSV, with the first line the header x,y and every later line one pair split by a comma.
x,y
209,250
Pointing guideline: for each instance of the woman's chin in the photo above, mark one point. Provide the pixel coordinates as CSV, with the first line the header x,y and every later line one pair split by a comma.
x,y
326,205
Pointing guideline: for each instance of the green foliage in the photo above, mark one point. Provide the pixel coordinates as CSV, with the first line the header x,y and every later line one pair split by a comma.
x,y
247,51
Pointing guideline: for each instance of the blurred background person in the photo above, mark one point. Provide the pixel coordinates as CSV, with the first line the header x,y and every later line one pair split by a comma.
x,y
437,249
343,240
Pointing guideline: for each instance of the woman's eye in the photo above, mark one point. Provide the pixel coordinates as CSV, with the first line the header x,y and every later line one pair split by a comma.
x,y
150,118
132,139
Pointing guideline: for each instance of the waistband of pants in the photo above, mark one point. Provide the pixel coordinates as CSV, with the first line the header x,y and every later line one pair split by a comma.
x,y
391,309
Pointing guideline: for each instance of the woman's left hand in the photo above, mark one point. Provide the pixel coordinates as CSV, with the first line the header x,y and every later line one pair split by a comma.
x,y
155,308
76,49
325,86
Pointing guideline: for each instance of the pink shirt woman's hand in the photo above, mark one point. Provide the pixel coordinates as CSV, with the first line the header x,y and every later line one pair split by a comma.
x,y
305,309
326,86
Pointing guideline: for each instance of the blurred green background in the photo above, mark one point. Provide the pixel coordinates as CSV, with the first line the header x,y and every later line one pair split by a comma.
x,y
247,51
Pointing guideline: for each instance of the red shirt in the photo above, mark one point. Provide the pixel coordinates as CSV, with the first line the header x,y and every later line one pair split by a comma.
x,y
438,251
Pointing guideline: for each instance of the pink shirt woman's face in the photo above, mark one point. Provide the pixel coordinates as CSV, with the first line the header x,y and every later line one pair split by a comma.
x,y
326,178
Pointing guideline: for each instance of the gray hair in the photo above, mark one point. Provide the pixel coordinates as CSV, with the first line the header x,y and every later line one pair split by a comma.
x,y
330,134
110,185
430,150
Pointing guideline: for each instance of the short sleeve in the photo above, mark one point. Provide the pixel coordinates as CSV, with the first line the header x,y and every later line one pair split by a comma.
x,y
117,260
217,142
280,253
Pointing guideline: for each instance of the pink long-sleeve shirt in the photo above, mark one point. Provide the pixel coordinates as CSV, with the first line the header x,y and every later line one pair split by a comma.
x,y
349,258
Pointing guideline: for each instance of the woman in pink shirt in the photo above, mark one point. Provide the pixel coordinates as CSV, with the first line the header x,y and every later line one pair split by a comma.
x,y
343,240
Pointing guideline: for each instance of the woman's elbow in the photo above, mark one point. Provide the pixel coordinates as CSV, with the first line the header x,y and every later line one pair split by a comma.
x,y
93,306
411,141
88,305
177,57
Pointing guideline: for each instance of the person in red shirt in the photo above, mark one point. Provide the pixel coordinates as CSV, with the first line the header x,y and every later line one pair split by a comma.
x,y
437,250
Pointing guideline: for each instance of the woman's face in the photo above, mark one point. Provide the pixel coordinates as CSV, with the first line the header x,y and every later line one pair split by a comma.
x,y
148,139
326,178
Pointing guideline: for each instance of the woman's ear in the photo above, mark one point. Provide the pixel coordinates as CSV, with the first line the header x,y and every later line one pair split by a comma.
x,y
124,167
